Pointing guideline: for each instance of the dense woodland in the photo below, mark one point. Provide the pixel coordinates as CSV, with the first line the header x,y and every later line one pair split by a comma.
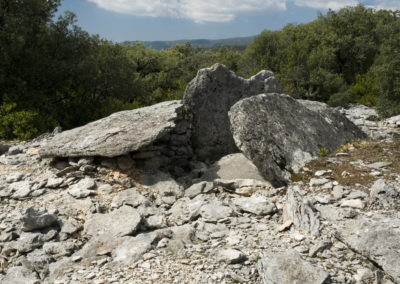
x,y
53,73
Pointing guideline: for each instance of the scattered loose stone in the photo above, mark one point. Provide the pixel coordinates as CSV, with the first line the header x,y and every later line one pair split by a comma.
x,y
130,197
14,177
319,247
377,239
258,205
138,224
322,173
34,219
118,223
231,256
199,188
215,211
353,203
318,181
379,165
54,182
288,267
285,226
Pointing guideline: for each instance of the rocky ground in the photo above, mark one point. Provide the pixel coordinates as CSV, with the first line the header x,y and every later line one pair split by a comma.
x,y
81,220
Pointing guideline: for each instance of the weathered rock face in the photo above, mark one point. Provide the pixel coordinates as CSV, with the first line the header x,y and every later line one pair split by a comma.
x,y
337,120
280,135
33,220
4,148
209,96
117,134
377,239
288,267
301,211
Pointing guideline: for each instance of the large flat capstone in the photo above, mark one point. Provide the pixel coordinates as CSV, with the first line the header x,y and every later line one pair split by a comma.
x,y
117,134
209,96
280,134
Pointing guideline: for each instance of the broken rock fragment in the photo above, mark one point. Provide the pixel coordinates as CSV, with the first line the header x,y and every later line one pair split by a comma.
x,y
287,268
34,219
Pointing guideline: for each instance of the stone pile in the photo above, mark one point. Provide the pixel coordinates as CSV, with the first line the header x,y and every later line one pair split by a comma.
x,y
151,212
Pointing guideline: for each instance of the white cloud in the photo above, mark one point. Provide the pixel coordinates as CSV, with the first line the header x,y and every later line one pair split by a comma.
x,y
386,4
197,10
201,11
325,4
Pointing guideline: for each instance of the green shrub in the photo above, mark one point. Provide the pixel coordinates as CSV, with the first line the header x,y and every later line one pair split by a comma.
x,y
323,152
365,89
21,124
342,98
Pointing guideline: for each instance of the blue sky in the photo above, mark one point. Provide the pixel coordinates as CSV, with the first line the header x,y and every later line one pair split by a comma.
x,y
129,20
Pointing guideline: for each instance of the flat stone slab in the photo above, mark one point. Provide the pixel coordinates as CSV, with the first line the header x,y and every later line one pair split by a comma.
x,y
233,166
376,238
288,268
117,134
118,223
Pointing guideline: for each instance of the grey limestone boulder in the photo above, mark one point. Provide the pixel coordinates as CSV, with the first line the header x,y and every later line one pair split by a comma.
x,y
377,238
20,274
230,256
132,248
34,219
117,134
280,134
209,96
131,197
258,205
4,148
215,210
385,193
288,267
118,223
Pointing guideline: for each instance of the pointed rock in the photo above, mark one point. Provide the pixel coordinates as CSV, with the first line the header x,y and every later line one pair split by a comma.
x,y
209,96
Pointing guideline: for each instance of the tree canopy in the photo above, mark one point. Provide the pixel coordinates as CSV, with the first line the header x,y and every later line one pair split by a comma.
x,y
53,73
342,57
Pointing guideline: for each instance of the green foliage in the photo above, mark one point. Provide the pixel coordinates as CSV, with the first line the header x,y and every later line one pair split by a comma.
x,y
342,57
323,152
342,98
20,124
54,73
387,70
365,89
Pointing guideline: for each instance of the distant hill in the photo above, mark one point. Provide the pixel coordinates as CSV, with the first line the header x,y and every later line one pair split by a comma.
x,y
205,43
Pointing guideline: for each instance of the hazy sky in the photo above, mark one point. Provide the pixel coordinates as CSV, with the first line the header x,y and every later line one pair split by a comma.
x,y
129,20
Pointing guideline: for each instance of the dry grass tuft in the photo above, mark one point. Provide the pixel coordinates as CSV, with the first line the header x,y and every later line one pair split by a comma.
x,y
360,154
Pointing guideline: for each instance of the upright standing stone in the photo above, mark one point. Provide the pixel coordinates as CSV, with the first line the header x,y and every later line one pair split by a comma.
x,y
209,96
